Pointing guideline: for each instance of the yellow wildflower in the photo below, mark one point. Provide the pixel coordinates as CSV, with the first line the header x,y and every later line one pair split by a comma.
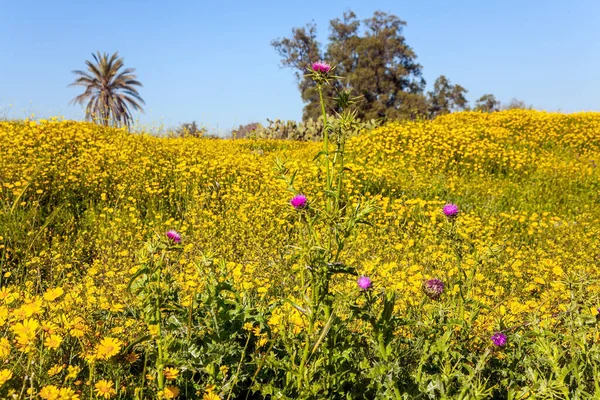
x,y
3,315
108,347
49,327
72,372
171,373
53,294
25,331
153,329
105,389
29,309
5,375
68,394
53,342
4,348
132,357
7,295
55,370
210,396
49,392
77,327
171,392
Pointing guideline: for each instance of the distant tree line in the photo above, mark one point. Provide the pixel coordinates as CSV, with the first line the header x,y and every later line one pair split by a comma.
x,y
372,55
378,66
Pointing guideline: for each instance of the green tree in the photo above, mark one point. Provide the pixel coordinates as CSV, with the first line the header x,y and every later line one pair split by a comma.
x,y
372,55
190,130
516,104
446,97
244,131
110,91
487,103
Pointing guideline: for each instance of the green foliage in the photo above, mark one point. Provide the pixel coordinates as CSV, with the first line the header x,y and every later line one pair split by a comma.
x,y
315,365
377,63
308,130
190,130
425,353
487,103
446,98
516,104
244,131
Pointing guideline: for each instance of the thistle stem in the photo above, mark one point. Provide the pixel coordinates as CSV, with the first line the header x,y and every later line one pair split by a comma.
x,y
158,316
325,137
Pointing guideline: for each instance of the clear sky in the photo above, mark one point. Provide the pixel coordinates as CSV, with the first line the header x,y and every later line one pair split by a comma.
x,y
212,61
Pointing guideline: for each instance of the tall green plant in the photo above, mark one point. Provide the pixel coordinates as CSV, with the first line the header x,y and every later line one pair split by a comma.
x,y
324,231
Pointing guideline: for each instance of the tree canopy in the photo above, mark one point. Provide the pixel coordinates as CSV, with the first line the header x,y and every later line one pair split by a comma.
x,y
487,103
446,97
373,57
110,91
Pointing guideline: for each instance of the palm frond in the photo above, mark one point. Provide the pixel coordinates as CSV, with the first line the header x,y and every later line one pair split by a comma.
x,y
110,90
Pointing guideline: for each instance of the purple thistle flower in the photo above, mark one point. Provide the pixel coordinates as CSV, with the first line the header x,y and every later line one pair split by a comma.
x,y
321,67
174,236
450,210
364,282
499,339
433,288
299,201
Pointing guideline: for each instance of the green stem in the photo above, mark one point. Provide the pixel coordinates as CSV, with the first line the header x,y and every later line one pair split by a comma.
x,y
91,378
306,351
237,372
311,325
158,317
26,375
325,298
396,391
159,360
141,392
341,152
325,137
382,349
260,365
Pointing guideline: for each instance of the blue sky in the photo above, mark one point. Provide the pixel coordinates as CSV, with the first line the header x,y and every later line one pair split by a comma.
x,y
212,61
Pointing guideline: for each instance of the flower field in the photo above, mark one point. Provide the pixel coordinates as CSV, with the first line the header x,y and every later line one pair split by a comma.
x,y
370,288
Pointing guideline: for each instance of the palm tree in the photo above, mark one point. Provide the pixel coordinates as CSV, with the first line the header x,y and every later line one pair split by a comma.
x,y
109,91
